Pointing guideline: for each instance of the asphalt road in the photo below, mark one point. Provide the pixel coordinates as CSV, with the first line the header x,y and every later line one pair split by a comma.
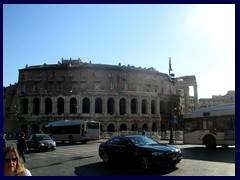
x,y
83,160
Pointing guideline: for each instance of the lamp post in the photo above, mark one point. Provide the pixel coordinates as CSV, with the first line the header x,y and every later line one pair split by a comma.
x,y
172,116
173,121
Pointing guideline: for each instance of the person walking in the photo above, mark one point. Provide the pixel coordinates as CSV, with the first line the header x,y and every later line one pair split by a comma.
x,y
12,165
4,140
22,146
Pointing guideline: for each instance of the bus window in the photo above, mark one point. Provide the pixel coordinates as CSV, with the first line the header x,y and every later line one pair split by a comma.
x,y
190,126
220,125
204,125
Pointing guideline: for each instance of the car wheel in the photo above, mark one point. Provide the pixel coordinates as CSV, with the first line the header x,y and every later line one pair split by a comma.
x,y
84,142
36,148
145,163
172,166
209,141
70,139
106,157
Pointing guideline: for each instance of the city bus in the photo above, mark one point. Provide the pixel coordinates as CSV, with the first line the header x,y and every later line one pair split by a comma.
x,y
73,130
210,126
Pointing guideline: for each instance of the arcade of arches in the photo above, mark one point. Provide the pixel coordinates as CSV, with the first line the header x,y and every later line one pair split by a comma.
x,y
114,114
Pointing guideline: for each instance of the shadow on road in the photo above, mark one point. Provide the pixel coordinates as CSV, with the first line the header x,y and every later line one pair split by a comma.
x,y
219,154
102,169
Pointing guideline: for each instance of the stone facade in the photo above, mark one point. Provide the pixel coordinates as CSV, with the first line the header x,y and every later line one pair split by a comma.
x,y
217,99
119,97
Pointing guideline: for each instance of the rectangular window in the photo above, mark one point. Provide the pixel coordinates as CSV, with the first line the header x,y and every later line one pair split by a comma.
x,y
97,86
139,88
59,85
125,87
74,85
22,87
83,86
113,86
83,74
148,88
36,85
51,85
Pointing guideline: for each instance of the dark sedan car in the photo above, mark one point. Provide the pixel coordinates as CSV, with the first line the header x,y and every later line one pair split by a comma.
x,y
41,142
140,149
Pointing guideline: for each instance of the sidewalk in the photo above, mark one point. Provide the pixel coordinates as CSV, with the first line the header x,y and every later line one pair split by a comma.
x,y
164,141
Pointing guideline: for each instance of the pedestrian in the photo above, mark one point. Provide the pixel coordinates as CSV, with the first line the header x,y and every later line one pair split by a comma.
x,y
143,132
22,146
12,165
4,140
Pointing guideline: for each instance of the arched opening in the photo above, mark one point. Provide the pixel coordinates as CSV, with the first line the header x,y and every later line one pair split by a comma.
x,y
110,106
111,128
134,106
98,106
73,106
144,106
154,126
24,106
48,106
134,127
35,129
86,106
60,106
162,107
36,106
123,127
122,106
153,107
145,126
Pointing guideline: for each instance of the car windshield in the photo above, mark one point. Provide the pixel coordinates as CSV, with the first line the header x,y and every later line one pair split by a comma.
x,y
142,140
43,137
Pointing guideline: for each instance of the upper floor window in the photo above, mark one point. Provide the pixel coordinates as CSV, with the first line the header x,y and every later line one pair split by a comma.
x,y
22,87
126,87
155,89
50,85
83,86
113,85
74,85
59,85
139,88
97,86
36,85
22,77
83,74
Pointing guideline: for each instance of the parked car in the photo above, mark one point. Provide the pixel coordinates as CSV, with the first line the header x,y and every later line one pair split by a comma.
x,y
41,142
139,149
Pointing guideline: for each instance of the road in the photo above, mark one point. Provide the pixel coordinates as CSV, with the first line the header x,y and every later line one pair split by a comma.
x,y
82,160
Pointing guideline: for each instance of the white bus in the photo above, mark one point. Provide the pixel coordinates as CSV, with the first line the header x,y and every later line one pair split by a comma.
x,y
210,126
73,130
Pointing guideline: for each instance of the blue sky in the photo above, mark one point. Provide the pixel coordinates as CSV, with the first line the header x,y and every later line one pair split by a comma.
x,y
200,39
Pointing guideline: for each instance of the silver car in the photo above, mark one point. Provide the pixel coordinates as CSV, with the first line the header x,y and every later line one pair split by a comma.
x,y
40,142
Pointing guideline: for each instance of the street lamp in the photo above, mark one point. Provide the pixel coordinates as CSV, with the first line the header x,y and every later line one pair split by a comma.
x,y
172,80
173,120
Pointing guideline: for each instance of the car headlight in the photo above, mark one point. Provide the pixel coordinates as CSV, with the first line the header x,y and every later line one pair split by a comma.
x,y
158,154
41,144
178,150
